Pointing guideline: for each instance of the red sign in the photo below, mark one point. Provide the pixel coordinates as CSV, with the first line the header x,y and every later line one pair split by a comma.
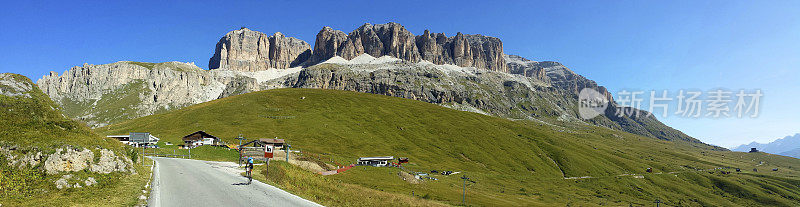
x,y
268,151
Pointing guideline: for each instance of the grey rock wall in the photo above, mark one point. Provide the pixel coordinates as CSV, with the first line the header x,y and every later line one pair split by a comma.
x,y
392,39
248,50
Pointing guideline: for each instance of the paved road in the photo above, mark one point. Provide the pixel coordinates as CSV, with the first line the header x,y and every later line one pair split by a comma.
x,y
182,182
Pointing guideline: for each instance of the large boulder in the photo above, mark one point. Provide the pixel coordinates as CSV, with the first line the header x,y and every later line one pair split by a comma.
x,y
109,163
68,160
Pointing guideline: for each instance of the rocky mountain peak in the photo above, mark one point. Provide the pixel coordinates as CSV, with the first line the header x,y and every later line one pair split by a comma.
x,y
328,44
248,50
393,39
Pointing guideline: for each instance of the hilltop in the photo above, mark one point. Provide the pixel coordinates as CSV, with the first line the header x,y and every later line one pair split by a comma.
x,y
49,159
524,163
30,118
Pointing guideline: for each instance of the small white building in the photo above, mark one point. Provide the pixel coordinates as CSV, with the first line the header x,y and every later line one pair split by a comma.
x,y
375,161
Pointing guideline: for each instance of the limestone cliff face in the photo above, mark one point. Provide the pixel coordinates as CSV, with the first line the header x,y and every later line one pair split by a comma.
x,y
103,94
487,52
328,44
477,90
247,50
392,39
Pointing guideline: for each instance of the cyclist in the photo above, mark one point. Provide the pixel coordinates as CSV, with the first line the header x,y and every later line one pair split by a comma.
x,y
249,169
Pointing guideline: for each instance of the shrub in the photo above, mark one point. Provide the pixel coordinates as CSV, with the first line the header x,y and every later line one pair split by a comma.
x,y
133,154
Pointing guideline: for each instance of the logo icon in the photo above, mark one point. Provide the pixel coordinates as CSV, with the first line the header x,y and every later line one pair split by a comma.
x,y
591,103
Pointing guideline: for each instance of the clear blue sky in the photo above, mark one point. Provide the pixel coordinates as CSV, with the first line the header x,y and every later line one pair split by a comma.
x,y
634,45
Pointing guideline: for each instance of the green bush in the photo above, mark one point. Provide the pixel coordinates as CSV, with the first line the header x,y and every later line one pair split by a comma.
x,y
133,154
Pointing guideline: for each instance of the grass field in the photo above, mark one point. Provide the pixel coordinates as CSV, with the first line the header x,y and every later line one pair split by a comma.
x,y
514,163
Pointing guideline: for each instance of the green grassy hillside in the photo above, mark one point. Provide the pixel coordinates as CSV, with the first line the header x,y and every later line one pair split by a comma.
x,y
514,163
35,121
31,124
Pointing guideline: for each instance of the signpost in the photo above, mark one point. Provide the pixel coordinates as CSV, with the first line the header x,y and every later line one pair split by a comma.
x,y
268,151
268,154
139,137
253,152
240,138
286,148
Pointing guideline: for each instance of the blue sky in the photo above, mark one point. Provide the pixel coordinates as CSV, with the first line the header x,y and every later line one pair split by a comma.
x,y
631,45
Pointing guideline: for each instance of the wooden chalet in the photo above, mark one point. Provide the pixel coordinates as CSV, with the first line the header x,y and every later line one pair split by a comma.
x,y
200,138
276,143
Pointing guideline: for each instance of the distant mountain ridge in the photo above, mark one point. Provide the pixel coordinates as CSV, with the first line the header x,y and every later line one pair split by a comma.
x,y
787,146
466,72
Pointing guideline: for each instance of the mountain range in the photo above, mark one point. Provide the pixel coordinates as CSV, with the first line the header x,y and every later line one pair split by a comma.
x,y
464,71
787,146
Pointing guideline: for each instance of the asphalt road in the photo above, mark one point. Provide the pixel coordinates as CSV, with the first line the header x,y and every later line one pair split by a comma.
x,y
182,182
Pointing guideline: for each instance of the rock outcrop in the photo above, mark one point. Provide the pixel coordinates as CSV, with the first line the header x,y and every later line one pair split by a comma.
x,y
248,50
110,163
328,44
487,52
68,160
65,180
555,73
10,85
104,94
73,160
563,78
392,39
528,68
